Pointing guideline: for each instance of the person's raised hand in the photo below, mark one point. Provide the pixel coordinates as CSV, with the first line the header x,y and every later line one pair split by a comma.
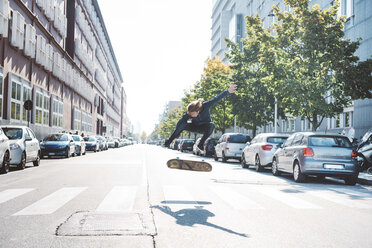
x,y
232,88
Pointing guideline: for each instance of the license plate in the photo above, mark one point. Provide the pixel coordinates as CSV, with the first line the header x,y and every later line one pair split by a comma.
x,y
52,153
334,166
238,154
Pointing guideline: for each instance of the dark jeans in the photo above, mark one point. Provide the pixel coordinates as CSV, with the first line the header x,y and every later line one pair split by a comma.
x,y
205,129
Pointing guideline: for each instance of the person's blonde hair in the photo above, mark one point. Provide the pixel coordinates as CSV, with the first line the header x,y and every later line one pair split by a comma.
x,y
195,106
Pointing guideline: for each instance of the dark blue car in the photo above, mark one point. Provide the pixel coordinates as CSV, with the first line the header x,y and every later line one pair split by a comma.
x,y
57,144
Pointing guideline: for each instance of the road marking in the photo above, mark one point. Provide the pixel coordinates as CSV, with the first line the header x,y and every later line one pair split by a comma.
x,y
120,198
52,202
9,194
235,199
337,198
286,198
179,197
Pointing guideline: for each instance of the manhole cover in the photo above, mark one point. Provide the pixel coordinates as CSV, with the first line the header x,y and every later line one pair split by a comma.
x,y
106,224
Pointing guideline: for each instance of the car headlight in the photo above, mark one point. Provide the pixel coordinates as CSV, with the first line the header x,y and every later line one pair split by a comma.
x,y
14,146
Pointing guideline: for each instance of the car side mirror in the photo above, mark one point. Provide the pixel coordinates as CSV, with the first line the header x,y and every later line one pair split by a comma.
x,y
282,145
28,138
248,143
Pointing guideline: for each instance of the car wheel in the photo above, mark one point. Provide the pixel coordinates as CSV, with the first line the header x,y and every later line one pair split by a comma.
x,y
351,180
224,159
257,163
37,161
215,156
67,153
244,163
5,167
274,168
80,152
22,164
297,174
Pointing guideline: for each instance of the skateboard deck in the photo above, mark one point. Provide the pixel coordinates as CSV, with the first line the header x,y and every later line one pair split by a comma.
x,y
189,165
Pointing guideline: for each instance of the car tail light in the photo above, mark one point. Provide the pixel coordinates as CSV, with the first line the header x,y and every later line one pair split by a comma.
x,y
354,154
308,152
267,147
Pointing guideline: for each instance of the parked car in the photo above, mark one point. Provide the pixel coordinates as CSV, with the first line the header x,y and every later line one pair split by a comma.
x,y
24,147
91,143
111,143
186,145
174,144
308,153
58,144
4,153
260,150
209,147
101,142
80,147
117,142
230,146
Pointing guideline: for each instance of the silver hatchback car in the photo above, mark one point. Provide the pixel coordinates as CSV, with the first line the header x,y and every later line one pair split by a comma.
x,y
259,152
317,154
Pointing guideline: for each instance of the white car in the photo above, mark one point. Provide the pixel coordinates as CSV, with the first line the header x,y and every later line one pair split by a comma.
x,y
4,153
24,147
230,146
261,149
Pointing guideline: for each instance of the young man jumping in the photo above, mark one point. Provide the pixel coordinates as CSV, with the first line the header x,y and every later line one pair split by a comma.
x,y
200,116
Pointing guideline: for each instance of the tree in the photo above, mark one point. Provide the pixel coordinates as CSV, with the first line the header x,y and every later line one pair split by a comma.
x,y
214,80
253,102
143,137
314,70
167,127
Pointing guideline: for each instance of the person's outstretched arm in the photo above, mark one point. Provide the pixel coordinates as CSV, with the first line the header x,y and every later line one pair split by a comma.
x,y
217,98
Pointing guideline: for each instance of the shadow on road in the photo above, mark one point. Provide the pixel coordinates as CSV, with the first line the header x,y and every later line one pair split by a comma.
x,y
197,215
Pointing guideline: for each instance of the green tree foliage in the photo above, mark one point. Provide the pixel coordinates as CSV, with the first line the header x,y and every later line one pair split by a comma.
x,y
314,69
253,103
214,80
168,126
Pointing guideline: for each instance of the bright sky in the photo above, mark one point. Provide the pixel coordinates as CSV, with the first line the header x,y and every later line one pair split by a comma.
x,y
161,47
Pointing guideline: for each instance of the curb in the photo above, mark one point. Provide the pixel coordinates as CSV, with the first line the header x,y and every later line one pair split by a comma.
x,y
364,181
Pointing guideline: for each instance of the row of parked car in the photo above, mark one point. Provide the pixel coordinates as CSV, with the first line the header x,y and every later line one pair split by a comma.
x,y
301,154
19,145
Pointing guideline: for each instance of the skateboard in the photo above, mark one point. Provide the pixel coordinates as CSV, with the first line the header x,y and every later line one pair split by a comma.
x,y
189,165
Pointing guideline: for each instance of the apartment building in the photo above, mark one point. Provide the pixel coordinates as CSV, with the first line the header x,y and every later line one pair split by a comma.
x,y
57,53
228,22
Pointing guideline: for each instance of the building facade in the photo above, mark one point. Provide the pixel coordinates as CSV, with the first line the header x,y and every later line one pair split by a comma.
x,y
228,22
57,53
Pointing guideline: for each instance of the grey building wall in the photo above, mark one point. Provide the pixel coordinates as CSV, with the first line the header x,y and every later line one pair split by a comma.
x,y
358,25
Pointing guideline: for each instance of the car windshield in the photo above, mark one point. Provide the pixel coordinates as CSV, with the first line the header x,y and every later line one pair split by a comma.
x,y
13,133
238,139
189,141
56,137
76,138
276,140
89,139
329,141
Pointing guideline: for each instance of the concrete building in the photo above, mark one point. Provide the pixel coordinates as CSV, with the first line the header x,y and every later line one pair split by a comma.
x,y
57,53
228,21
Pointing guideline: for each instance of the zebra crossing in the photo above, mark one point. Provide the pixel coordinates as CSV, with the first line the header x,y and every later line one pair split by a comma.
x,y
177,197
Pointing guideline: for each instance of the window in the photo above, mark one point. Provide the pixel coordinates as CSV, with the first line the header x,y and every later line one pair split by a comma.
x,y
349,8
348,119
20,92
77,119
42,106
338,121
30,42
57,112
18,29
4,18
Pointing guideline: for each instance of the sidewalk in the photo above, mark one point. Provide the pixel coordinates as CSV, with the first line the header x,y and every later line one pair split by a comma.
x,y
365,178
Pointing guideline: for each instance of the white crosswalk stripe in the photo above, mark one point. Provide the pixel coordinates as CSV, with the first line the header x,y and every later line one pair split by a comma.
x,y
286,198
179,197
235,199
339,199
52,202
120,198
9,194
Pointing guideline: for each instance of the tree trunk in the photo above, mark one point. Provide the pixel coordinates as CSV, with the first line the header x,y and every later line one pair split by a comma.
x,y
254,130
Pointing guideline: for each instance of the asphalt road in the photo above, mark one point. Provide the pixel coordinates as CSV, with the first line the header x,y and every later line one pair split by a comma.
x,y
127,197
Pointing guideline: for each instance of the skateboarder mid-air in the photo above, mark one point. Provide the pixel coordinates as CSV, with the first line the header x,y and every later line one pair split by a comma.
x,y
200,116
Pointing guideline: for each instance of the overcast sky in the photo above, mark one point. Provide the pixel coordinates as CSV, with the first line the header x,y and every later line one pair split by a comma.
x,y
161,47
